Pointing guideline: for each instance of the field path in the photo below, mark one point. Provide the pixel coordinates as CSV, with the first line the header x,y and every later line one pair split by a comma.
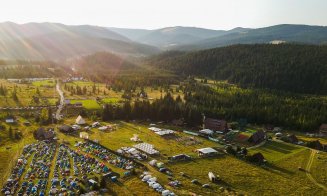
x,y
258,145
308,167
62,101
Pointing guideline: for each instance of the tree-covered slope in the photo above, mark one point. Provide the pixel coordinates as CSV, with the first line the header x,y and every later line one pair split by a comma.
x,y
289,67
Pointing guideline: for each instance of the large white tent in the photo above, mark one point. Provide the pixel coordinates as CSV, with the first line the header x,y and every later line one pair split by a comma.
x,y
147,148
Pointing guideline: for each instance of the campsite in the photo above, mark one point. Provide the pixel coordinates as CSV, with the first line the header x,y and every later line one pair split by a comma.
x,y
69,170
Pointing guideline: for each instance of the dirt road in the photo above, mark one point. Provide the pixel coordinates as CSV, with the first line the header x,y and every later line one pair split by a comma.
x,y
62,101
308,168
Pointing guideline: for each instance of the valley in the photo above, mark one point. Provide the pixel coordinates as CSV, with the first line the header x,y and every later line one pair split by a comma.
x,y
96,110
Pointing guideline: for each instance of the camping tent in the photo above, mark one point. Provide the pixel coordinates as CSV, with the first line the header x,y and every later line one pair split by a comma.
x,y
206,131
135,138
80,120
84,135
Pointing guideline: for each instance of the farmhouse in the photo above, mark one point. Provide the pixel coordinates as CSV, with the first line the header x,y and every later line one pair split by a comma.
x,y
293,139
257,137
215,125
258,158
323,129
66,129
207,152
42,134
315,145
80,120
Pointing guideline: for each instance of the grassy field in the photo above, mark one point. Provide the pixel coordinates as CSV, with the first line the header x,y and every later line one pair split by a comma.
x,y
281,177
274,151
319,168
10,150
110,100
25,93
111,96
237,174
88,103
44,83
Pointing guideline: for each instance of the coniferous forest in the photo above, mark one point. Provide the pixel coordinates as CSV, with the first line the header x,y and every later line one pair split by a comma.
x,y
288,67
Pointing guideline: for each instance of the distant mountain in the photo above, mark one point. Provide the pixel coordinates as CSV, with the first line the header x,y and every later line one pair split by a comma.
x,y
289,67
38,41
133,34
280,33
54,41
170,36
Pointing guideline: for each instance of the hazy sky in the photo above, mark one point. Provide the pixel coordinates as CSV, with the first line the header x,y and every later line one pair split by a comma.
x,y
216,14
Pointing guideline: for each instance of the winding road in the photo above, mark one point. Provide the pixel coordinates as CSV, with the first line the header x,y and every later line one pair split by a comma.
x,y
62,101
308,168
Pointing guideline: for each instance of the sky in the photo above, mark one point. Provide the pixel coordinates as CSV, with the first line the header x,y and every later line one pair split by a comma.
x,y
152,14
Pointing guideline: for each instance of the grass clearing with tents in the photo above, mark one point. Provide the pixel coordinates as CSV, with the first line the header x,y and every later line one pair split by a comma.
x,y
237,174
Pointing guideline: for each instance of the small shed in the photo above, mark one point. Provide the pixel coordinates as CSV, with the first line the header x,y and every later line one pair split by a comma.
x,y
212,177
10,120
84,135
180,157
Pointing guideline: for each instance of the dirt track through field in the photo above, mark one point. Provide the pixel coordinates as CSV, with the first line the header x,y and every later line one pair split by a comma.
x,y
62,101
308,167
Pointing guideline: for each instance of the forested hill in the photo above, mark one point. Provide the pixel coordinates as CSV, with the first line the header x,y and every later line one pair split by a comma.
x,y
289,67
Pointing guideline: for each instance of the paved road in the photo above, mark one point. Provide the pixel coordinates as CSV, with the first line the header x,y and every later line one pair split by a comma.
x,y
308,168
62,101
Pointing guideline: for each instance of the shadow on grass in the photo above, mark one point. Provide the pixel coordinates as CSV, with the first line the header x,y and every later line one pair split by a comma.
x,y
279,147
276,169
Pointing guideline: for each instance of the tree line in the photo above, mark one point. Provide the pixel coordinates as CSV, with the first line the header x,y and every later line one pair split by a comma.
x,y
166,109
225,101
